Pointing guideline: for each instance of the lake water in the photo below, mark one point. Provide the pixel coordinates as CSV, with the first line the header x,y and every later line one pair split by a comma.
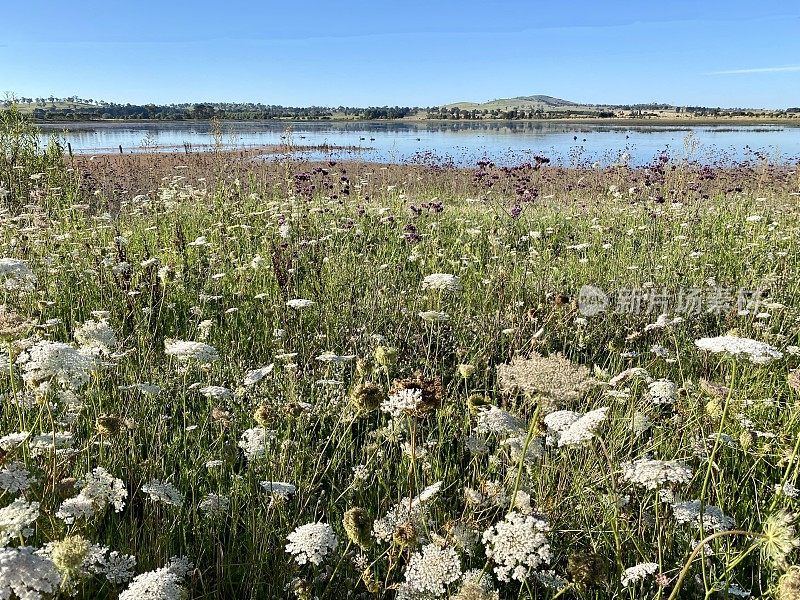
x,y
460,143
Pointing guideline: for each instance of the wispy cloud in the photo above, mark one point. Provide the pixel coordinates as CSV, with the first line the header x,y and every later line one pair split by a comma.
x,y
784,69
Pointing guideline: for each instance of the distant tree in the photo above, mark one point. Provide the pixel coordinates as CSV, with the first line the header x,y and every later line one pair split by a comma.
x,y
203,111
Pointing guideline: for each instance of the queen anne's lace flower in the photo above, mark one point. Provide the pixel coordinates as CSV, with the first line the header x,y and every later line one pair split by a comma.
x,y
96,337
15,274
638,572
215,392
492,419
442,281
407,510
117,567
97,491
433,316
280,489
432,569
26,575
404,401
256,375
713,518
15,478
757,352
163,492
662,391
652,474
570,429
518,545
298,303
12,440
191,351
50,441
311,543
56,363
254,442
214,504
16,519
161,584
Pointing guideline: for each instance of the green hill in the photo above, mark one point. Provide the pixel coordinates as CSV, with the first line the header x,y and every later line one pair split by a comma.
x,y
520,103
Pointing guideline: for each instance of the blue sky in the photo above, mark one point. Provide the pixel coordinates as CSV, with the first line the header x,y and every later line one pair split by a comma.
x,y
408,53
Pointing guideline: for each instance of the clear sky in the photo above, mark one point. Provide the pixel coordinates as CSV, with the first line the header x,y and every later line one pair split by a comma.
x,y
407,52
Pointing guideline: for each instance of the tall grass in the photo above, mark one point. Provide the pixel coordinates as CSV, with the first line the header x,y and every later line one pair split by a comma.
x,y
268,237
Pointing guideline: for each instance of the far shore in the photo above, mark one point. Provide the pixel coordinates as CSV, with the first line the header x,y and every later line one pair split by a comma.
x,y
634,122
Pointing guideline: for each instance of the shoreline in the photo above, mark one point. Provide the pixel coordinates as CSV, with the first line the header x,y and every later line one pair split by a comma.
x,y
729,121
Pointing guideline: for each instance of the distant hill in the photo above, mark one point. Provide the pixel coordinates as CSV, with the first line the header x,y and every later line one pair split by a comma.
x,y
538,101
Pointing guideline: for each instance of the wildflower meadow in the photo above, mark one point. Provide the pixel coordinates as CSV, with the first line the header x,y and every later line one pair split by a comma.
x,y
230,376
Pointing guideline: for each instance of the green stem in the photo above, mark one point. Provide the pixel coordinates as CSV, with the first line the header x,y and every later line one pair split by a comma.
x,y
687,565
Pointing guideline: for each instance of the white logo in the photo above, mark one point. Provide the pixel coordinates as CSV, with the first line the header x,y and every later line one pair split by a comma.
x,y
592,300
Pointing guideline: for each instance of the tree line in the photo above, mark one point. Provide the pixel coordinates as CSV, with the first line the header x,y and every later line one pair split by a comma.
x,y
78,109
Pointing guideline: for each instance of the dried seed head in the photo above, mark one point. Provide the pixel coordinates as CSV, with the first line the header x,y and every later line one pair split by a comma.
x,y
779,537
405,535
263,414
747,438
358,526
794,380
69,554
108,425
789,584
367,396
466,371
385,356
475,401
587,568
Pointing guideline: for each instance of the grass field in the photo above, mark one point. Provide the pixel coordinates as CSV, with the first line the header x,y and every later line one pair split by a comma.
x,y
231,378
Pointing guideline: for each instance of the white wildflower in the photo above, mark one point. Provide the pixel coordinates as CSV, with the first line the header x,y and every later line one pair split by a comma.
x,y
96,337
713,518
12,440
163,492
97,491
185,351
256,375
405,401
492,419
299,303
433,316
214,504
161,584
582,430
26,575
432,569
757,352
518,545
787,489
16,520
330,357
652,474
638,572
15,274
279,489
56,362
442,282
254,442
15,478
310,543
45,443
117,567
663,321
662,391
215,392
407,510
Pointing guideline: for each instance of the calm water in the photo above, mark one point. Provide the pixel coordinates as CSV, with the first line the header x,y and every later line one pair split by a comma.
x,y
459,143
